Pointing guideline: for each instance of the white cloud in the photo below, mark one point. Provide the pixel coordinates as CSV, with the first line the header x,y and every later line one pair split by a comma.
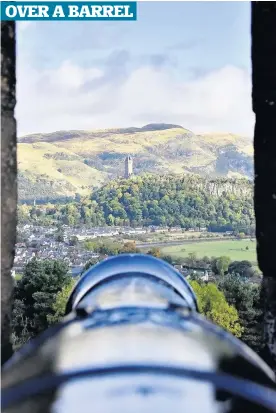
x,y
72,97
23,25
69,77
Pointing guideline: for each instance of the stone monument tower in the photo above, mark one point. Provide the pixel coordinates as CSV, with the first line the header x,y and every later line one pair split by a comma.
x,y
128,166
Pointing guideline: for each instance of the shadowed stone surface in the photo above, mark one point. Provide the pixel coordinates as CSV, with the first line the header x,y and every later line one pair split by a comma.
x,y
8,179
264,106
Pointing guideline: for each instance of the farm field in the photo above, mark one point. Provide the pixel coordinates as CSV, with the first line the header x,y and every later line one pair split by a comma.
x,y
235,249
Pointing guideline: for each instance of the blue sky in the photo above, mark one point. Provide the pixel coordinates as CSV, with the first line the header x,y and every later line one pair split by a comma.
x,y
180,62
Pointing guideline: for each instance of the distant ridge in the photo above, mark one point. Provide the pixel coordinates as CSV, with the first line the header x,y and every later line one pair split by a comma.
x,y
160,126
150,127
67,162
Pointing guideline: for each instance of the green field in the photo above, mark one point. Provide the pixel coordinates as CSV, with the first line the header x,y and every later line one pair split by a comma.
x,y
235,249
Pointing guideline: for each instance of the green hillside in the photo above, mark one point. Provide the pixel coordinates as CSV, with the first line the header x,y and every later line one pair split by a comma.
x,y
188,201
68,162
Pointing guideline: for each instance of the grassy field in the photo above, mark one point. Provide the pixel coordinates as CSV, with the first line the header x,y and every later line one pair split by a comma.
x,y
235,249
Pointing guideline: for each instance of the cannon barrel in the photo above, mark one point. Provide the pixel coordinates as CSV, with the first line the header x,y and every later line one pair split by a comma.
x,y
133,340
141,273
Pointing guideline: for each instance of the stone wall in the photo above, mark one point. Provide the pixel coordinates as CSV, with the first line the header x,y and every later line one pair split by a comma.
x,y
264,106
8,180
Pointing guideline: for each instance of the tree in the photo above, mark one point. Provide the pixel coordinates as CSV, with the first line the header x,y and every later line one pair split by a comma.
x,y
195,276
23,213
110,220
243,268
192,259
206,260
17,277
155,252
246,297
60,236
212,303
35,293
222,264
89,264
59,305
73,241
167,258
130,247
91,245
23,335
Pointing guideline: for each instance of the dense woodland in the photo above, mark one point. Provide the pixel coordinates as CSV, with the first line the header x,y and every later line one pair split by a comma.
x,y
189,202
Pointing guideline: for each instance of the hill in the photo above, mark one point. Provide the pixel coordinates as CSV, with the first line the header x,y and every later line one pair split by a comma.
x,y
178,200
188,201
64,163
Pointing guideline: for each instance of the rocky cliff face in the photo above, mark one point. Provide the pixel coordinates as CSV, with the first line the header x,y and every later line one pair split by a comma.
x,y
239,188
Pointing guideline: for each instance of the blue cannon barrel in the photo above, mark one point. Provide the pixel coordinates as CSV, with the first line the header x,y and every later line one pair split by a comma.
x,y
134,341
127,270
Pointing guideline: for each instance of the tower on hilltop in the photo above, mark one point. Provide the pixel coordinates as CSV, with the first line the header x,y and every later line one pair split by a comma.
x,y
128,166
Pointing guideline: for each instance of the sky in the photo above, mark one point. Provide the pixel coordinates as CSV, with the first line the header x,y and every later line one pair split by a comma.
x,y
186,63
